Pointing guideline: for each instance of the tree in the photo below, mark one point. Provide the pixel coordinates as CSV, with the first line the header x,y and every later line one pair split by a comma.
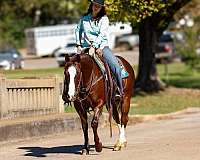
x,y
17,15
187,47
152,17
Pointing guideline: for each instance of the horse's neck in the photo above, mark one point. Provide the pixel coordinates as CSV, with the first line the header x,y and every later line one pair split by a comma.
x,y
89,68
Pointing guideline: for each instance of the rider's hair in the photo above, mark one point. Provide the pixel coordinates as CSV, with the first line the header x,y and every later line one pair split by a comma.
x,y
101,13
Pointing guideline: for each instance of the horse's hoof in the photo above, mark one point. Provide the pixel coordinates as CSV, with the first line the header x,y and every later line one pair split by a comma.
x,y
85,152
117,148
119,145
124,144
98,147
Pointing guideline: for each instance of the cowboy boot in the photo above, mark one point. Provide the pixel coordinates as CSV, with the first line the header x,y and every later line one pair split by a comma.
x,y
120,90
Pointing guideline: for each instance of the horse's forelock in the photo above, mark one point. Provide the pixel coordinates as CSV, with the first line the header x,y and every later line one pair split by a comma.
x,y
74,58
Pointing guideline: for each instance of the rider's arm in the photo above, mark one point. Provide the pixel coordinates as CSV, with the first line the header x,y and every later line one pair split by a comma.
x,y
78,33
104,25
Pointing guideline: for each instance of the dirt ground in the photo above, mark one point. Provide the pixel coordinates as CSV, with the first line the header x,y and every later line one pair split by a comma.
x,y
174,139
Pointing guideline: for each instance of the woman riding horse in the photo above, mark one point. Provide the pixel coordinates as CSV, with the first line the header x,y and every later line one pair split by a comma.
x,y
93,29
84,84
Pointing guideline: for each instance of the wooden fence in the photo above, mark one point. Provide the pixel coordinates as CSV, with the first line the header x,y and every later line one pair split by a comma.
x,y
29,97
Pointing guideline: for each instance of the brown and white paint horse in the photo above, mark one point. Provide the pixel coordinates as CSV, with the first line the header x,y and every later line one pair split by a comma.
x,y
84,85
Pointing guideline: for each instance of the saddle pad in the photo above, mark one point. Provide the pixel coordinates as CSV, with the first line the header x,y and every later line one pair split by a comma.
x,y
124,73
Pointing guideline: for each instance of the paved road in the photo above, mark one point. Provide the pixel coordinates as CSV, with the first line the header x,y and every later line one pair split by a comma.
x,y
176,139
38,63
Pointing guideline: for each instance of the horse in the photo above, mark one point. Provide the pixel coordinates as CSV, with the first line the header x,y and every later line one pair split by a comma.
x,y
84,86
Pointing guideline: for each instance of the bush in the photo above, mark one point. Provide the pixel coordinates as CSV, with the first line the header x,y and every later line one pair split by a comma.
x,y
188,47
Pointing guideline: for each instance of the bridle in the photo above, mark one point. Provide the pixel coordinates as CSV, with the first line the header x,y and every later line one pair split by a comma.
x,y
81,92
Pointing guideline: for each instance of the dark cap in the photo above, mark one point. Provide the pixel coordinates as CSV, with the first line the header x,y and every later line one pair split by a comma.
x,y
101,2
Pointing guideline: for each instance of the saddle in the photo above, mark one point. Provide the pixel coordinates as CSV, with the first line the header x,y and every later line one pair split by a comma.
x,y
111,87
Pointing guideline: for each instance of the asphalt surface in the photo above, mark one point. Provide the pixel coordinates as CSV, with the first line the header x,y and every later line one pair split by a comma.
x,y
174,139
49,62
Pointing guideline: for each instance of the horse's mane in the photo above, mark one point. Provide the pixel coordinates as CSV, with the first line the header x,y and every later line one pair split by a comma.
x,y
86,57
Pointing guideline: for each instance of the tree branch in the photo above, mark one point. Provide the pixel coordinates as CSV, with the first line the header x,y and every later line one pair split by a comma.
x,y
167,18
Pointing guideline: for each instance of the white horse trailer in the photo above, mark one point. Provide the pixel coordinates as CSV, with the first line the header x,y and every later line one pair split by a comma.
x,y
44,41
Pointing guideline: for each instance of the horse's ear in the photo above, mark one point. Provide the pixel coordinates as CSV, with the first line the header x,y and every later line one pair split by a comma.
x,y
67,58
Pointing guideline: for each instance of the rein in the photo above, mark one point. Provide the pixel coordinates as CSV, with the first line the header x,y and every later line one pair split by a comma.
x,y
92,82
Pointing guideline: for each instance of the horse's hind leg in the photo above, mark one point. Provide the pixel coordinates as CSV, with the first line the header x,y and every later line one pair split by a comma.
x,y
83,116
122,142
117,145
97,112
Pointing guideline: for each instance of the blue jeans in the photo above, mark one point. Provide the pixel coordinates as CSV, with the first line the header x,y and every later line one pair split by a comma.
x,y
114,65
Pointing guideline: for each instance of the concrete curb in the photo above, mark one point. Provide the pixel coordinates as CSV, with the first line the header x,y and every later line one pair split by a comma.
x,y
45,125
16,129
134,119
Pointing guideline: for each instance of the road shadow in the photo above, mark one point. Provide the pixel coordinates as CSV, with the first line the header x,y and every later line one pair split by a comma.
x,y
42,151
73,149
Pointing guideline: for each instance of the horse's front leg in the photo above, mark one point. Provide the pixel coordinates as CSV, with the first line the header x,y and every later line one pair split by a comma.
x,y
97,112
83,116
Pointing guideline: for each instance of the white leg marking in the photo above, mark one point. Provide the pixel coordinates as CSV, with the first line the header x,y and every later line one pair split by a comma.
x,y
72,73
122,136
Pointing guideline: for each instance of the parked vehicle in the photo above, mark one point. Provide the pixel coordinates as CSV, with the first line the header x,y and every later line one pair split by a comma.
x,y
116,30
11,59
60,53
128,41
165,48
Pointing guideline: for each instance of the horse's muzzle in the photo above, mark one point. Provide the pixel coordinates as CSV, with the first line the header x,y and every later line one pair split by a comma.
x,y
65,98
72,99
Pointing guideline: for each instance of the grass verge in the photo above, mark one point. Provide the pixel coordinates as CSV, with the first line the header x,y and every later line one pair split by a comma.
x,y
170,100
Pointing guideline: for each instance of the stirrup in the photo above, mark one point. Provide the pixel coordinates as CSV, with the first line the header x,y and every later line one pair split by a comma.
x,y
119,94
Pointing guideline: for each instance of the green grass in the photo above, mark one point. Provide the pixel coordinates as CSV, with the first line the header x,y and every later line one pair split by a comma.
x,y
179,75
171,100
70,109
182,96
13,74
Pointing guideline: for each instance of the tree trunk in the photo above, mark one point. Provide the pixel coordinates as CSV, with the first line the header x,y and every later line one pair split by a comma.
x,y
150,29
147,79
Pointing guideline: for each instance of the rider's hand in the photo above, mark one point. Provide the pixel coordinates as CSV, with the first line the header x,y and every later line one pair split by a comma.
x,y
99,52
79,49
92,51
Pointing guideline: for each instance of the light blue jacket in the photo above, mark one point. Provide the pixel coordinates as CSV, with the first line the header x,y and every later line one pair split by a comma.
x,y
88,31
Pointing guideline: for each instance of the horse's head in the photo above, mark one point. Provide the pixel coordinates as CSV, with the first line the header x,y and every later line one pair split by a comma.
x,y
72,78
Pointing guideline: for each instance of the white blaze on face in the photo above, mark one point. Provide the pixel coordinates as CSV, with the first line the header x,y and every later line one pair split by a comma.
x,y
72,74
